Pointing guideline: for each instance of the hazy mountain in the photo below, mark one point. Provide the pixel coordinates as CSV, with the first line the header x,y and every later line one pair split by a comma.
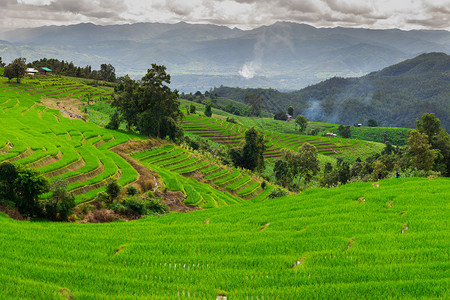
x,y
395,96
284,55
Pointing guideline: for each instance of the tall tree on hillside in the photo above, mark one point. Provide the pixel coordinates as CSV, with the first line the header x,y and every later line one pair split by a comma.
x,y
439,139
305,162
16,69
208,110
372,123
422,156
250,156
107,72
2,64
150,105
256,104
126,102
302,122
290,111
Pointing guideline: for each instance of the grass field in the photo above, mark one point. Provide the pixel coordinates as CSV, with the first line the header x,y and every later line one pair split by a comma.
x,y
352,242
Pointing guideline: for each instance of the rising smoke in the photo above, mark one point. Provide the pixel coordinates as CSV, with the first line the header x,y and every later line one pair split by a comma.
x,y
268,38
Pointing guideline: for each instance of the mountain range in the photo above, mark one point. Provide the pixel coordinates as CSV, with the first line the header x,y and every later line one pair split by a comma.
x,y
394,96
286,56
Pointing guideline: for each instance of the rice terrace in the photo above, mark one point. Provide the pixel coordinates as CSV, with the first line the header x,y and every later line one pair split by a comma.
x,y
121,186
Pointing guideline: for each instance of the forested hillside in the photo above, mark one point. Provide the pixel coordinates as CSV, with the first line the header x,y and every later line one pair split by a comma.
x,y
394,96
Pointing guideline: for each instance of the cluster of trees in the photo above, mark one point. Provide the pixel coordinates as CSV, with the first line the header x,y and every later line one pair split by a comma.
x,y
250,155
21,188
148,105
106,72
2,64
17,68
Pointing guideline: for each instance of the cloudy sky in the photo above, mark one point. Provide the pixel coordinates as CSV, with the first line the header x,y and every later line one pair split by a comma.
x,y
245,14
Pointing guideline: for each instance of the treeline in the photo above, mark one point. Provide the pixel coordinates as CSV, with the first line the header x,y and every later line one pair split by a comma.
x,y
106,72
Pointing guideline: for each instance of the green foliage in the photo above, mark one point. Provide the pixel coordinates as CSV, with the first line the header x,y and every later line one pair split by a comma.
x,y
60,203
372,123
290,111
16,69
280,115
250,156
345,131
208,111
277,192
131,190
113,189
422,154
302,122
256,104
114,121
150,105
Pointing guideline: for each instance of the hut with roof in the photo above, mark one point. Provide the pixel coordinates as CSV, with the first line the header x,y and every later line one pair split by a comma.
x,y
45,71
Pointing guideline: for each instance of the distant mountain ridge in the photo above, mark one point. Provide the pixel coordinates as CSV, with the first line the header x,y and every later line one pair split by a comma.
x,y
284,55
395,96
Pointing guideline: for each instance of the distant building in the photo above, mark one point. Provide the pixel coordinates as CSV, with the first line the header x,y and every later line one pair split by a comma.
x,y
31,71
288,116
330,134
359,125
45,71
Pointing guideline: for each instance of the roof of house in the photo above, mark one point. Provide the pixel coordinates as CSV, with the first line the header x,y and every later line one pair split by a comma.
x,y
31,70
46,69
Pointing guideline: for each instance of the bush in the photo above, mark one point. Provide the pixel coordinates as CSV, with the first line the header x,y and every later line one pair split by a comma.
x,y
113,190
277,192
131,190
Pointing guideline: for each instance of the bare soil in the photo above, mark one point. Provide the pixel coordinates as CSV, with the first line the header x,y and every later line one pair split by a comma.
x,y
72,105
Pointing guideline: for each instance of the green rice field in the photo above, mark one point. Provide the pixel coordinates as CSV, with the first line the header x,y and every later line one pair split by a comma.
x,y
353,242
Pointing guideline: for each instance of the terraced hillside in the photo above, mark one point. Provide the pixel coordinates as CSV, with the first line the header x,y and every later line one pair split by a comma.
x,y
357,241
205,183
232,135
58,145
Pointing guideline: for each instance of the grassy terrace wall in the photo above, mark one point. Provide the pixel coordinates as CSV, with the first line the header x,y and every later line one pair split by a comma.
x,y
58,146
352,242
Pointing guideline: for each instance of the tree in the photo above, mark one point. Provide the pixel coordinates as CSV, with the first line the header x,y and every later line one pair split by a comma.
x,y
107,72
60,204
345,131
127,102
308,161
439,139
256,103
114,121
208,110
8,175
2,64
250,156
372,123
429,125
28,185
281,170
113,190
280,115
8,73
192,109
422,154
302,122
150,105
290,111
16,69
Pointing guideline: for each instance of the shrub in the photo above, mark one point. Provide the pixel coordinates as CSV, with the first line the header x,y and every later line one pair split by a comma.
x,y
113,190
277,192
131,190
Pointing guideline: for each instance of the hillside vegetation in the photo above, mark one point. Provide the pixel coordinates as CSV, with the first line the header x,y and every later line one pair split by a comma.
x,y
357,241
395,96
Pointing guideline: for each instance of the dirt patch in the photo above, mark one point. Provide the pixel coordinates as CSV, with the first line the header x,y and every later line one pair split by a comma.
x,y
405,228
361,200
146,177
66,294
137,145
13,213
175,201
70,105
